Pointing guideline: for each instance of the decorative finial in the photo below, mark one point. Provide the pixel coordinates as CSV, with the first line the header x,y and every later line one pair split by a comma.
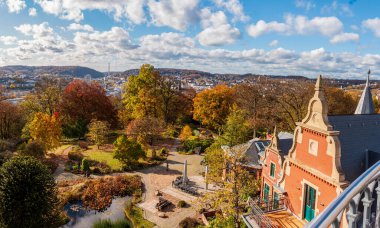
x,y
275,130
369,72
318,85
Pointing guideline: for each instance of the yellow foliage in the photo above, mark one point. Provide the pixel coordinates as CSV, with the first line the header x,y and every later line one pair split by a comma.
x,y
46,129
185,133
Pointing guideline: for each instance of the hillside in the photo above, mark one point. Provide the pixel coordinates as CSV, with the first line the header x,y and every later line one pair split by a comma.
x,y
74,71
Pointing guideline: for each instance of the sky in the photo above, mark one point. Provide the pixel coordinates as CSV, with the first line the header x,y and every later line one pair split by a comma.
x,y
279,37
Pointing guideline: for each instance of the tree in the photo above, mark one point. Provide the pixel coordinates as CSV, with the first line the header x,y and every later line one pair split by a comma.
x,y
150,95
45,129
98,131
236,129
186,133
127,151
237,187
145,130
11,120
214,158
82,102
212,106
28,194
339,101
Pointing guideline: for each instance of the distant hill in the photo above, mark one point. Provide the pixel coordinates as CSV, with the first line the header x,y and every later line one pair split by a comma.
x,y
74,71
171,72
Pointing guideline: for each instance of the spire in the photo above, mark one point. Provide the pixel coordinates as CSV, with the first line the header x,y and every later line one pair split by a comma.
x,y
365,105
318,84
274,144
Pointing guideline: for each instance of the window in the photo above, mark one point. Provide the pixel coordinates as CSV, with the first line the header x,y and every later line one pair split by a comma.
x,y
266,192
272,169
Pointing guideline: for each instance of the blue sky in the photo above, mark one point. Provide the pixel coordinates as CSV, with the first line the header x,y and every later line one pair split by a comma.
x,y
284,37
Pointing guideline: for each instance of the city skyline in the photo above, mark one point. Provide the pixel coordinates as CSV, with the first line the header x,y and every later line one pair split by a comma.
x,y
302,37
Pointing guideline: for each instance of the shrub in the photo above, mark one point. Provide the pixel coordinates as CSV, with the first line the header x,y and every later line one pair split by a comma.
x,y
35,149
99,193
181,204
186,133
194,142
85,165
83,145
51,164
189,223
75,156
171,132
163,151
107,223
6,145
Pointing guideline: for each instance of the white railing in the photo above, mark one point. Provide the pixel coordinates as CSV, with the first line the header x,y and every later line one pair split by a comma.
x,y
355,203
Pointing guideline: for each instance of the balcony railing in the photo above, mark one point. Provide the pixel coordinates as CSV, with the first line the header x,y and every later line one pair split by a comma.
x,y
357,206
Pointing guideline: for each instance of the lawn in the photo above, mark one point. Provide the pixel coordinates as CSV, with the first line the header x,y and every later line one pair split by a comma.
x,y
103,156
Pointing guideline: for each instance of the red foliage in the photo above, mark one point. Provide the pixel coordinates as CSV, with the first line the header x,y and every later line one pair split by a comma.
x,y
99,193
87,101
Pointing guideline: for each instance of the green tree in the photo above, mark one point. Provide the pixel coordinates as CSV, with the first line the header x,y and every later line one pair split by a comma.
x,y
236,128
85,165
128,151
98,132
28,194
237,186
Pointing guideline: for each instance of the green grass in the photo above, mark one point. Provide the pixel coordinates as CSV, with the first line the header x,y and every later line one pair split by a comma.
x,y
106,223
103,156
136,216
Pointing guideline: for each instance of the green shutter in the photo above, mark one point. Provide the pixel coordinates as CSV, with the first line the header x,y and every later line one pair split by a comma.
x,y
272,169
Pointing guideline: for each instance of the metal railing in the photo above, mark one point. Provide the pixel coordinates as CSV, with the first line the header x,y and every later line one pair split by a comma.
x,y
270,204
355,203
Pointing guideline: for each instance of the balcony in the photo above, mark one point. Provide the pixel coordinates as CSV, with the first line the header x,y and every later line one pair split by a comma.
x,y
357,206
270,213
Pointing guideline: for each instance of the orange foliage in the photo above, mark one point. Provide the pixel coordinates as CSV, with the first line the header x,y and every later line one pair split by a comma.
x,y
211,106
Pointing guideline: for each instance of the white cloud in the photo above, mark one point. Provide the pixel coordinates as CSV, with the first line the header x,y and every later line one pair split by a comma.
x,y
113,41
8,40
273,43
335,6
262,27
73,9
32,12
344,37
373,25
15,6
217,31
76,27
36,31
234,7
327,26
305,4
173,13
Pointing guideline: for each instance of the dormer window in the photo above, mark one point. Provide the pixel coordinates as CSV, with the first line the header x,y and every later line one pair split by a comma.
x,y
272,169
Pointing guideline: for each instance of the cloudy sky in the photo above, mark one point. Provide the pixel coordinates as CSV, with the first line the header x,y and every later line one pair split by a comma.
x,y
285,37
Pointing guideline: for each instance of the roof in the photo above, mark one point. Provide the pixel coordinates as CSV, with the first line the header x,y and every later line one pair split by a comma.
x,y
365,105
358,133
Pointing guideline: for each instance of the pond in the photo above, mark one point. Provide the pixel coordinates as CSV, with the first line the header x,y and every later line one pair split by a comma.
x,y
81,217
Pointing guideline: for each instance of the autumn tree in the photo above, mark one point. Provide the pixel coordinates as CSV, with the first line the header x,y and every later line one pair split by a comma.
x,y
339,101
150,95
128,151
212,106
239,185
45,97
11,120
145,130
98,132
45,129
186,133
81,102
